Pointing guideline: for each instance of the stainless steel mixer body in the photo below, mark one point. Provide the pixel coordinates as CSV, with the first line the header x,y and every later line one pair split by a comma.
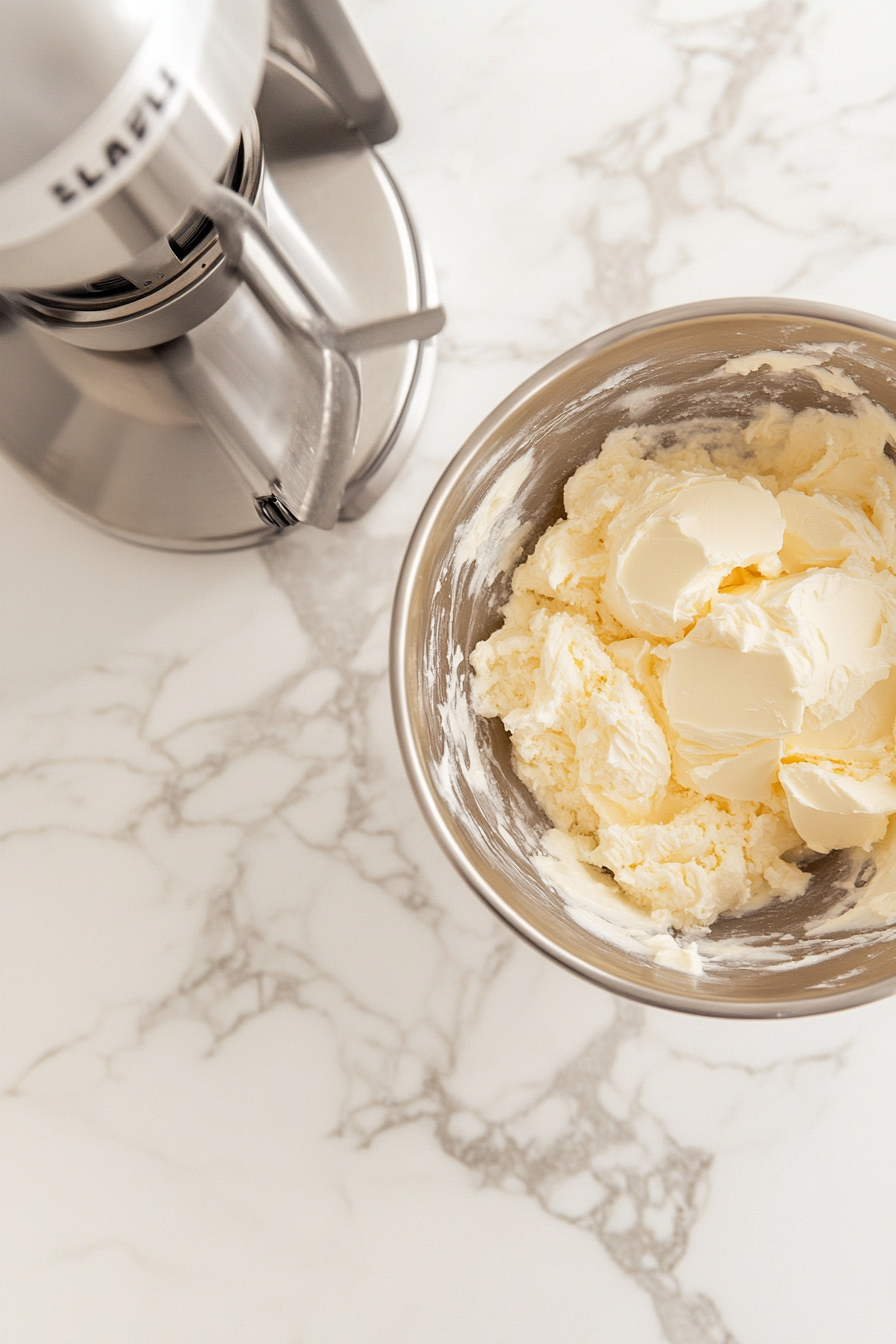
x,y
241,372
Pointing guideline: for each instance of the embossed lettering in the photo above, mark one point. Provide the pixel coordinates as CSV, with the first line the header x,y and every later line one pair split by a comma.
x,y
87,179
115,151
63,193
170,84
136,122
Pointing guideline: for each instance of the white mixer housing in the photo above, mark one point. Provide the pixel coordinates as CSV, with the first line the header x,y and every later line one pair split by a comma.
x,y
117,114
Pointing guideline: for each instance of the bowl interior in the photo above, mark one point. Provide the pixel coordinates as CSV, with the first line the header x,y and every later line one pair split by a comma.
x,y
765,963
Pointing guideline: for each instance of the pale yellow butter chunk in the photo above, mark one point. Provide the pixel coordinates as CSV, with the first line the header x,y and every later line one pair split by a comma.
x,y
864,736
750,668
747,775
696,666
724,698
584,738
669,555
709,858
820,530
836,811
852,461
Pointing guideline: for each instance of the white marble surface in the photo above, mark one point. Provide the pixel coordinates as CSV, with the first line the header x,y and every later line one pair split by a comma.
x,y
271,1071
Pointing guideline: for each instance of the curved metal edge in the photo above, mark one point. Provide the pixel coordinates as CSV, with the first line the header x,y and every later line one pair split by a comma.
x,y
375,477
433,812
237,541
622,332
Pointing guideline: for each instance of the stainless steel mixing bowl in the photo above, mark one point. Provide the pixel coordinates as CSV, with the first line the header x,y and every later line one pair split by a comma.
x,y
656,369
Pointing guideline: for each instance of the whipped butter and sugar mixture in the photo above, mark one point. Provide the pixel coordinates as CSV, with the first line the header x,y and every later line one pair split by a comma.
x,y
696,665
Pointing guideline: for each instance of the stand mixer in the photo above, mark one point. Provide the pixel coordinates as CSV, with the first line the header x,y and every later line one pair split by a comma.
x,y
217,319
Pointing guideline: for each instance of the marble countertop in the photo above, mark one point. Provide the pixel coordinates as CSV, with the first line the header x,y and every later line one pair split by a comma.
x,y
271,1071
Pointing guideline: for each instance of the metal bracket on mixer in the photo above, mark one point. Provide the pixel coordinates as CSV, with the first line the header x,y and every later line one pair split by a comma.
x,y
274,279
317,37
308,482
274,512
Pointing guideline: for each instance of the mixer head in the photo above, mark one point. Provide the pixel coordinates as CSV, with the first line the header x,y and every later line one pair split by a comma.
x,y
117,114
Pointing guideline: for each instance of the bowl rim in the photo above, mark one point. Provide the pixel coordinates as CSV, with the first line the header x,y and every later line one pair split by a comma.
x,y
772,1008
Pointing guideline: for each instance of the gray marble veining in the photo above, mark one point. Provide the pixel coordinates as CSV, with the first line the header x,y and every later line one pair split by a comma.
x,y
271,1070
